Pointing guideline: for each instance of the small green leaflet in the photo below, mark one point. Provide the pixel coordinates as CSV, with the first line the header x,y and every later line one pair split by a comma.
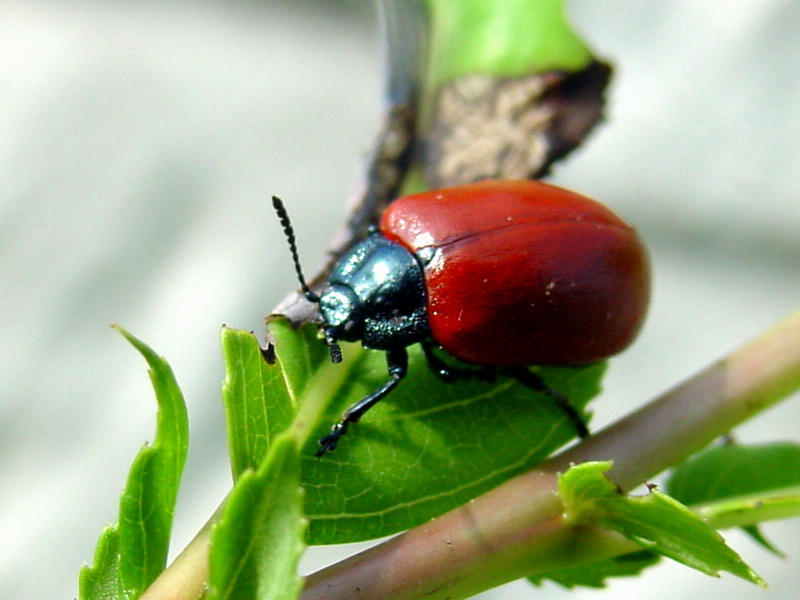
x,y
101,581
594,575
134,553
656,522
732,470
257,403
306,354
258,541
736,485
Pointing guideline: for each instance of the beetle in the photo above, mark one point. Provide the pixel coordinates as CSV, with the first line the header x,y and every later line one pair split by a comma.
x,y
499,274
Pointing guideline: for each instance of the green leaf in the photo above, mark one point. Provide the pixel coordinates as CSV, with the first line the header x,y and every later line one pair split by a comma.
x,y
746,510
147,504
729,471
509,38
655,521
101,580
258,405
741,485
258,541
305,348
131,555
429,447
594,575
754,531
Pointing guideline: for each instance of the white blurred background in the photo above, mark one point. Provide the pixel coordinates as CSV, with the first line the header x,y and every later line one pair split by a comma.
x,y
140,142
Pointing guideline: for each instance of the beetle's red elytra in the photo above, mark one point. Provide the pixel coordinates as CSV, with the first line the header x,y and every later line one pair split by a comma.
x,y
522,272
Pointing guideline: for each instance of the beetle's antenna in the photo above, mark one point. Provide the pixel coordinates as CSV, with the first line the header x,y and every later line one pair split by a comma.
x,y
288,230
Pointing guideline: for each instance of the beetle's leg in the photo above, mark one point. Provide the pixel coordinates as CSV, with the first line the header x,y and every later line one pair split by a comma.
x,y
440,368
451,373
397,362
534,382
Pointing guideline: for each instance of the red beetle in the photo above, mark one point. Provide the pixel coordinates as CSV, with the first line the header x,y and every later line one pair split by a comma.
x,y
499,274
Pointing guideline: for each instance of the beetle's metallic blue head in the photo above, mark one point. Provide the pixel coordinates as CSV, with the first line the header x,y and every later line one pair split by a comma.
x,y
375,293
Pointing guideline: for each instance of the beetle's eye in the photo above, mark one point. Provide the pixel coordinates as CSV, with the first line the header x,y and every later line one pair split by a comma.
x,y
341,312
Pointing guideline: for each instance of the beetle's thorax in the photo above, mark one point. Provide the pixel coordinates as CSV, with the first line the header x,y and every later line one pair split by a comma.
x,y
376,294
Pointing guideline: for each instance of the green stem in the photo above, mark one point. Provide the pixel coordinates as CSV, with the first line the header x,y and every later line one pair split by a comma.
x,y
496,38
187,577
505,38
698,411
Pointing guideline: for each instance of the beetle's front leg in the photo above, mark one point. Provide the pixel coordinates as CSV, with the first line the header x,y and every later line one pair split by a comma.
x,y
397,363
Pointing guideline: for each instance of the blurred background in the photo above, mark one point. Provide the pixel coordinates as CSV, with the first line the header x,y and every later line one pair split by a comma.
x,y
140,142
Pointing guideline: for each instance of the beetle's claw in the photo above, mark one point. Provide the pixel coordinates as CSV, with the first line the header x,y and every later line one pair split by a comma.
x,y
326,447
328,443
